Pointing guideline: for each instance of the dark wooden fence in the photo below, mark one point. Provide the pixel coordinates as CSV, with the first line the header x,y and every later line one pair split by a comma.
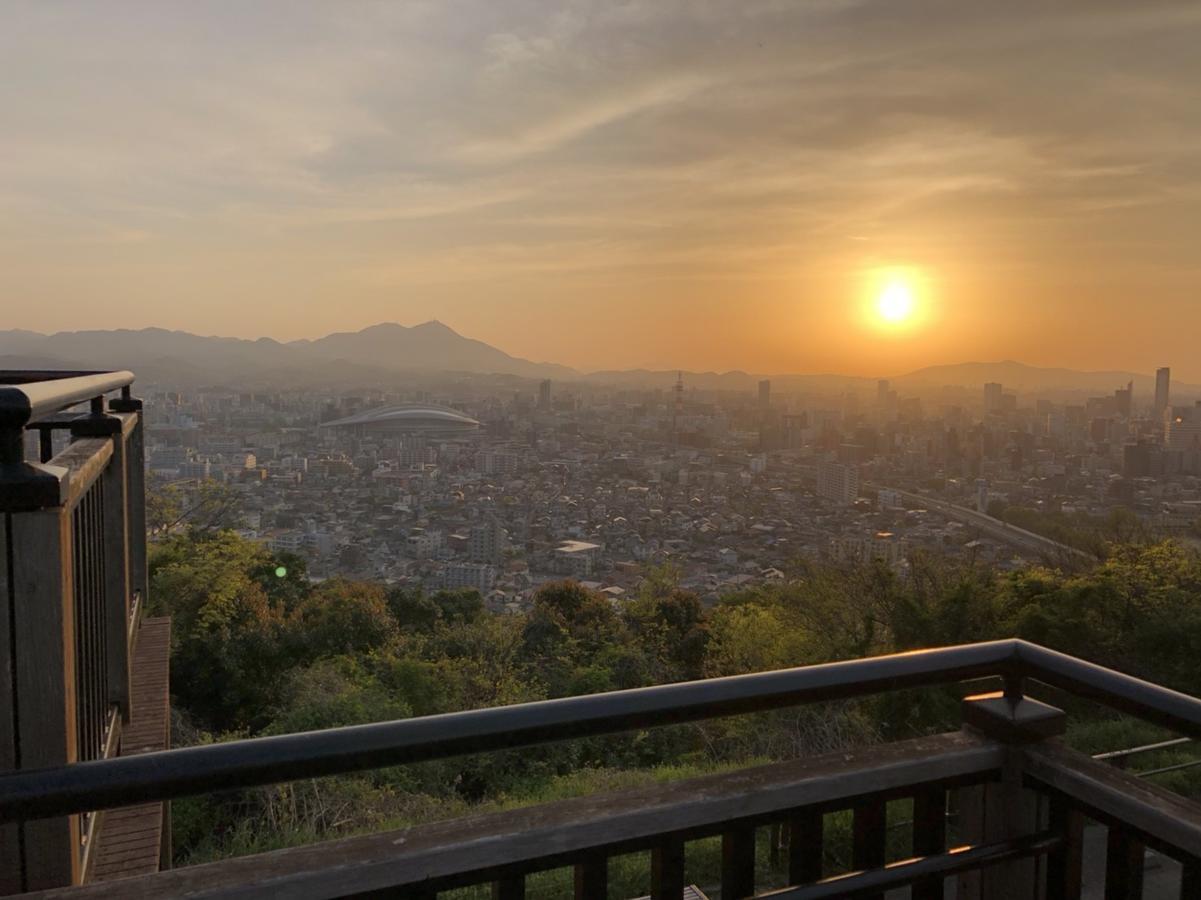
x,y
72,580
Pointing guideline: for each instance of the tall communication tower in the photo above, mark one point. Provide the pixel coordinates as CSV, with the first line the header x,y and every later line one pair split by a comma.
x,y
678,390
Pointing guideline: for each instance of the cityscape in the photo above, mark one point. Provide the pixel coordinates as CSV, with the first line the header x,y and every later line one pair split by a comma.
x,y
600,450
454,486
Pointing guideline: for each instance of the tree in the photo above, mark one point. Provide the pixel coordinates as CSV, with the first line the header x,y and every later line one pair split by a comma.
x,y
203,506
228,637
343,617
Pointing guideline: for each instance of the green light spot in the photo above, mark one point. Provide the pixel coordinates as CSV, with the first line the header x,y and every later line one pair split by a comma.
x,y
281,571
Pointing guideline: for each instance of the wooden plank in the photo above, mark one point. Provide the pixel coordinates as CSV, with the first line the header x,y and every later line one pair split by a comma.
x,y
85,460
1165,820
43,632
738,862
132,839
480,848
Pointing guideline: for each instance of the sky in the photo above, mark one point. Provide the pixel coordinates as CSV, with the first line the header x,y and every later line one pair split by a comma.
x,y
707,185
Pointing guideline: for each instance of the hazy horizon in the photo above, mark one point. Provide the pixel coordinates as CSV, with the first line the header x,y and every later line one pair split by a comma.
x,y
643,185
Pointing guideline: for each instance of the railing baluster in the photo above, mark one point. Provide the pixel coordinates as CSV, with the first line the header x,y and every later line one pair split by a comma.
x,y
592,878
1065,865
738,862
667,870
417,892
115,609
929,836
1190,879
870,831
512,888
1124,865
805,846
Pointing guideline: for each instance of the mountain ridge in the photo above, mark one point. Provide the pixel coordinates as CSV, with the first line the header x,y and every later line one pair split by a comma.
x,y
391,348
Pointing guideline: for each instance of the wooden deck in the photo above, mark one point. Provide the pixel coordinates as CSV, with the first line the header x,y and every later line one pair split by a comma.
x,y
132,839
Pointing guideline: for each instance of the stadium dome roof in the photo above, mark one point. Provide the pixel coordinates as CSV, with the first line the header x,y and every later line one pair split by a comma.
x,y
408,417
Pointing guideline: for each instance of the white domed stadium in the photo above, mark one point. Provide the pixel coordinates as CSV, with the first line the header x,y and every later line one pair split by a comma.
x,y
408,418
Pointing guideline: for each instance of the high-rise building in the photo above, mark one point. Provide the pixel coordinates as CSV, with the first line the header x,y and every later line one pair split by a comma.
x,y
882,389
764,394
992,397
1124,400
838,482
544,394
1184,428
1163,390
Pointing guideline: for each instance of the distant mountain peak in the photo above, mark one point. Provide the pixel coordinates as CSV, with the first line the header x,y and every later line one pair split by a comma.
x,y
433,325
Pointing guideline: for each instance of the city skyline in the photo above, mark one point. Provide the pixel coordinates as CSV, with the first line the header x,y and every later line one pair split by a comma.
x,y
643,185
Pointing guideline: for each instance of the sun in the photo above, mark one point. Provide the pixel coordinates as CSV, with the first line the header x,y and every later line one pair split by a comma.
x,y
895,302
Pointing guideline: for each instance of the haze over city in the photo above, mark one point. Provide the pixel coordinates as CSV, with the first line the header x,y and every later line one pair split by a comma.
x,y
852,187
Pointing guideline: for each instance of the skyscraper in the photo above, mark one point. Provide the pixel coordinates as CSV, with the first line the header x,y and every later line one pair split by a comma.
x,y
1163,390
1124,400
544,394
764,394
992,397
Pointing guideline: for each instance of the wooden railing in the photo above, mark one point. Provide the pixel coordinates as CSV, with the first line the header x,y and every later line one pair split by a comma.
x,y
72,578
1020,798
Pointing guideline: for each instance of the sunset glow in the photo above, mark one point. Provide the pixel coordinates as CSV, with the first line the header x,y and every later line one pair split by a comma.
x,y
613,186
895,304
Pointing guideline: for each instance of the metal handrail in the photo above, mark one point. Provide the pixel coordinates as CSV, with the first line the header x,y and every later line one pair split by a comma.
x,y
1125,754
258,761
23,401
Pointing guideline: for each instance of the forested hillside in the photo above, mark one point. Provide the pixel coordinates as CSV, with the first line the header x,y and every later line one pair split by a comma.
x,y
259,650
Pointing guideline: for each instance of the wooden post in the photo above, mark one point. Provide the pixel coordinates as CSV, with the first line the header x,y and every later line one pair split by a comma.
x,y
1007,810
592,878
738,862
136,473
929,836
869,831
667,870
116,576
43,623
805,846
10,857
512,888
1065,865
1124,865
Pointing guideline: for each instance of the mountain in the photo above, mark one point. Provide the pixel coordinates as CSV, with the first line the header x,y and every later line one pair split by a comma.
x,y
735,380
1031,379
158,354
379,352
429,346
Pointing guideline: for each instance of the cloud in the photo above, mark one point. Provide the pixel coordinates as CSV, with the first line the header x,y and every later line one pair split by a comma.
x,y
476,142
